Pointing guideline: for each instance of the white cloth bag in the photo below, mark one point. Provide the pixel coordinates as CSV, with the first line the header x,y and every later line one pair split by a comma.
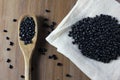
x,y
59,38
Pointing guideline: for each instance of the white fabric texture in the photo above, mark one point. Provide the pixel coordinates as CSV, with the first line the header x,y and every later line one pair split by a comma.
x,y
59,38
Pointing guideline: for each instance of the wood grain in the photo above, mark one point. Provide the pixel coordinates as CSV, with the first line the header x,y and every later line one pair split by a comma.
x,y
43,68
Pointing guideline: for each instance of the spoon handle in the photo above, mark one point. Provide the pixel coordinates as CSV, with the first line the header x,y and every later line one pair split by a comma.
x,y
27,70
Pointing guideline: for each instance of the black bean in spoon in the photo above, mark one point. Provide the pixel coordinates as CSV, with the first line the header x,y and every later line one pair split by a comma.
x,y
27,29
97,37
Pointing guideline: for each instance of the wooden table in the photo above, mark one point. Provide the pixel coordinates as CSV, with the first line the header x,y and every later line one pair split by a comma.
x,y
43,68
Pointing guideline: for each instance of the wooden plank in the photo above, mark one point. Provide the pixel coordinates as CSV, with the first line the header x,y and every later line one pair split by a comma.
x,y
43,68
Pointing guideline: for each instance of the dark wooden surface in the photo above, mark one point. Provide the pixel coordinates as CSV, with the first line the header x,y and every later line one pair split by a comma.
x,y
43,68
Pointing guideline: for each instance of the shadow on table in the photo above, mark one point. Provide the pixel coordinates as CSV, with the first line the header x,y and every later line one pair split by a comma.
x,y
41,42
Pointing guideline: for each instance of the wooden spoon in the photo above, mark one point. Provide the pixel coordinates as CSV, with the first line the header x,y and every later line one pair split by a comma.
x,y
27,49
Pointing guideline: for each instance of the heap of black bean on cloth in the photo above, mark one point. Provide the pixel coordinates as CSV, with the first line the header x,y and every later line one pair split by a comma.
x,y
97,37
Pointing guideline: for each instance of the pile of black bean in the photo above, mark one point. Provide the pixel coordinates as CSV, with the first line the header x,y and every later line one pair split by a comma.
x,y
27,29
97,37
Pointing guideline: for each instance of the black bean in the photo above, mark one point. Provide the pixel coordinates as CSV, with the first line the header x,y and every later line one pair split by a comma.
x,y
22,76
25,42
7,38
73,42
42,49
50,57
47,10
68,75
52,27
5,31
8,61
11,66
54,57
8,49
59,64
14,20
11,43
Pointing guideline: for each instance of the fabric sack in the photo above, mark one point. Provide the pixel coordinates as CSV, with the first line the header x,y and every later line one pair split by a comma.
x,y
59,38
